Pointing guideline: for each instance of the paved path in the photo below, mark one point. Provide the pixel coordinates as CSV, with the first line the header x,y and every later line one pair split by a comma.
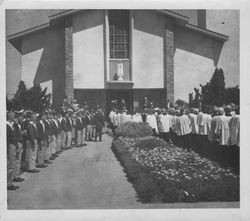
x,y
87,177
84,178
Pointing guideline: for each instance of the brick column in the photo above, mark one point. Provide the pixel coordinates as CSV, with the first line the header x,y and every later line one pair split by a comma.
x,y
169,60
69,87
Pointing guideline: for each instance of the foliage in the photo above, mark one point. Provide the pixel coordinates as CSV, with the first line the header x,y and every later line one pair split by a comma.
x,y
232,95
34,98
214,92
180,103
171,174
133,129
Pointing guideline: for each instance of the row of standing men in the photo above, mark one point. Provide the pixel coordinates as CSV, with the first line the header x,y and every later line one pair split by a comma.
x,y
34,140
214,132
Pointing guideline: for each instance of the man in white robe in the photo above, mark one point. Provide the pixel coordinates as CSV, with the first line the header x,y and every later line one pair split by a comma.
x,y
164,125
183,129
194,128
151,121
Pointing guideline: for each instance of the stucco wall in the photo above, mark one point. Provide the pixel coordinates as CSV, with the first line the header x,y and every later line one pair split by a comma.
x,y
43,61
88,49
148,56
13,69
227,22
195,58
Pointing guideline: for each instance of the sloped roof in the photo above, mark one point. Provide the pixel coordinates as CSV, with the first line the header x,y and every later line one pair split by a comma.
x,y
169,13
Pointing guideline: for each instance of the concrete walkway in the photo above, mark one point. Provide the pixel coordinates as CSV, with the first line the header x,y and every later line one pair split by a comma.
x,y
85,178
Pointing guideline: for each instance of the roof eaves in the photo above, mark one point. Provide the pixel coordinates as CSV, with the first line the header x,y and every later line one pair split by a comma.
x,y
27,31
64,13
174,14
207,32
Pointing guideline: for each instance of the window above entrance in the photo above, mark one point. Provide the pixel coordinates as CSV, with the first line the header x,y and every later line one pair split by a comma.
x,y
119,34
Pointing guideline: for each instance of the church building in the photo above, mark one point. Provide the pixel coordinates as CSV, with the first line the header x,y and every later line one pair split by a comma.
x,y
101,55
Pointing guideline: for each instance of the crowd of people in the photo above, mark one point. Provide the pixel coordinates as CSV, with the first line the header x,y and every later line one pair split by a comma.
x,y
210,131
34,140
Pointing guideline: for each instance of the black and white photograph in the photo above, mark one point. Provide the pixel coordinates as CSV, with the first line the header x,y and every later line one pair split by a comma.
x,y
122,109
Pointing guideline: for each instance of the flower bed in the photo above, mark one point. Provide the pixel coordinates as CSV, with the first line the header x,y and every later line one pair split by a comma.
x,y
133,129
164,173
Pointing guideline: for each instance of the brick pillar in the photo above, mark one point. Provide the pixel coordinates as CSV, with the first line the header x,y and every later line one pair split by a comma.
x,y
69,87
169,60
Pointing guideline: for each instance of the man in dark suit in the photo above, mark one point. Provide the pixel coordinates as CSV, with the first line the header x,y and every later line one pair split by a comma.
x,y
64,130
79,128
17,128
11,150
55,128
84,128
69,126
99,124
24,157
58,117
48,134
32,136
41,139
53,143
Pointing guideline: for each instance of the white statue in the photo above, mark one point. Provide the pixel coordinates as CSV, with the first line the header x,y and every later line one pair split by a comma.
x,y
120,71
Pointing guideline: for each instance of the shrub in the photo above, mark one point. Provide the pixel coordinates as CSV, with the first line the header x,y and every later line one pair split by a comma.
x,y
34,98
134,129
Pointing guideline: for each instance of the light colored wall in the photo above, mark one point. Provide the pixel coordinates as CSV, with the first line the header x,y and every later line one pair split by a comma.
x,y
88,49
148,56
16,21
43,61
194,61
227,22
13,69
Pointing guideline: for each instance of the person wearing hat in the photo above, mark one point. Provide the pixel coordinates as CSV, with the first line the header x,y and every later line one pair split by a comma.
x,y
73,132
79,128
92,122
59,135
24,157
17,126
11,150
57,132
84,127
89,123
41,139
32,136
64,129
48,133
53,143
69,127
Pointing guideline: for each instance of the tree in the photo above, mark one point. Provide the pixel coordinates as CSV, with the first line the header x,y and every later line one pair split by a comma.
x,y
232,95
215,92
34,99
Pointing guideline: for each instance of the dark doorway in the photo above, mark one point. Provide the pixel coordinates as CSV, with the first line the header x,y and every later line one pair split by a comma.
x,y
119,95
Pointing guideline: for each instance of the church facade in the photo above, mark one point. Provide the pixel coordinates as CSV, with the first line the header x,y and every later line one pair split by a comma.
x,y
101,55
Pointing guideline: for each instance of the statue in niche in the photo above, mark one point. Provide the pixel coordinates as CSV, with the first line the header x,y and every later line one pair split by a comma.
x,y
119,71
